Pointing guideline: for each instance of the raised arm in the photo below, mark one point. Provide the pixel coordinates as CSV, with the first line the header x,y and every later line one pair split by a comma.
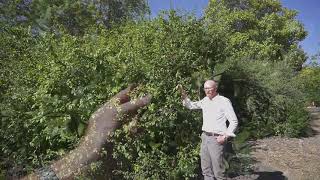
x,y
186,101
191,104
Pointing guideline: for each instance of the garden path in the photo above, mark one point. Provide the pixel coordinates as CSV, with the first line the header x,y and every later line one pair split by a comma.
x,y
279,158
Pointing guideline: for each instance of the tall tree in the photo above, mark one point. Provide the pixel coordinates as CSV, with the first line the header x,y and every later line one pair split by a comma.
x,y
72,16
258,56
254,29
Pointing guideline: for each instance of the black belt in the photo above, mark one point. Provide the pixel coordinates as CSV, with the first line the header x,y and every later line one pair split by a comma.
x,y
211,133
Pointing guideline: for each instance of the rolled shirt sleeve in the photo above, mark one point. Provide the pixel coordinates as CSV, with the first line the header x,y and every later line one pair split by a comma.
x,y
191,105
215,114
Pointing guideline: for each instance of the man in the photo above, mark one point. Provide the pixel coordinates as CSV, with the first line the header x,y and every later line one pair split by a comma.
x,y
216,111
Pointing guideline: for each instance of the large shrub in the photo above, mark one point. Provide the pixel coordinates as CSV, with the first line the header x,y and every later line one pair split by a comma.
x,y
59,80
58,86
309,82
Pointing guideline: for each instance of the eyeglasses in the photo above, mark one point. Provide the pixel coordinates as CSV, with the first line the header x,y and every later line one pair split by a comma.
x,y
208,88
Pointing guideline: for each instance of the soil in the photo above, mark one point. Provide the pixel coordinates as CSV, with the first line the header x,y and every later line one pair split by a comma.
x,y
279,158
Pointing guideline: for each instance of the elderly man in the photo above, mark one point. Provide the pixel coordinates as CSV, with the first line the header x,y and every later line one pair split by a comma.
x,y
216,111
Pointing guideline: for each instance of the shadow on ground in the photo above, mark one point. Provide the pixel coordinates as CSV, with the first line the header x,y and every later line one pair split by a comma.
x,y
262,175
277,175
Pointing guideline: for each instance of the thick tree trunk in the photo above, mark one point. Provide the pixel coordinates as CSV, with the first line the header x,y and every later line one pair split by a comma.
x,y
101,124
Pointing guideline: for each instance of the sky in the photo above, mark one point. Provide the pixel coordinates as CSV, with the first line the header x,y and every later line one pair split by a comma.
x,y
308,15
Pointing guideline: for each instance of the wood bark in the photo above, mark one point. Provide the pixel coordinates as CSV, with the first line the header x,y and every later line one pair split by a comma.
x,y
101,124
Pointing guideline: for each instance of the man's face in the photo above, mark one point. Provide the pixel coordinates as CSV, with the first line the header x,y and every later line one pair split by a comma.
x,y
210,91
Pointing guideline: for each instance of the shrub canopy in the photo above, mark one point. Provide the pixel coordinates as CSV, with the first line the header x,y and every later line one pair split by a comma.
x,y
50,84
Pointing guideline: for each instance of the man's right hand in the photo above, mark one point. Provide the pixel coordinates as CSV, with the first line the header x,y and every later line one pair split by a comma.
x,y
183,92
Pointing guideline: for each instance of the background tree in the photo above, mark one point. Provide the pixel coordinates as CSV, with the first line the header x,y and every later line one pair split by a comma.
x,y
309,81
72,16
260,52
257,30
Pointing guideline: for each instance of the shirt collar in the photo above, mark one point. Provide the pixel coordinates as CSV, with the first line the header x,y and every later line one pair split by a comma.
x,y
213,97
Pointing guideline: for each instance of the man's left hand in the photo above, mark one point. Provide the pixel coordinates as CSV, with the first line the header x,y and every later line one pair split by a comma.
x,y
221,139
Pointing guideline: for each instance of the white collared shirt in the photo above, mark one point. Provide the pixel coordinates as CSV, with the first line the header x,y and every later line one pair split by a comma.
x,y
215,114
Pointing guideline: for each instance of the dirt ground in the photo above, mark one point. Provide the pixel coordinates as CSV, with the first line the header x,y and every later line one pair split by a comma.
x,y
279,158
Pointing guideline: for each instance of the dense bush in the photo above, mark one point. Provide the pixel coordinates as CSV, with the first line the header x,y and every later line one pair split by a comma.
x,y
309,79
267,98
64,79
50,84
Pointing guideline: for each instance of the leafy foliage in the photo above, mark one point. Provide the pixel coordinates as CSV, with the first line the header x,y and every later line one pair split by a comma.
x,y
50,84
309,79
71,16
258,30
